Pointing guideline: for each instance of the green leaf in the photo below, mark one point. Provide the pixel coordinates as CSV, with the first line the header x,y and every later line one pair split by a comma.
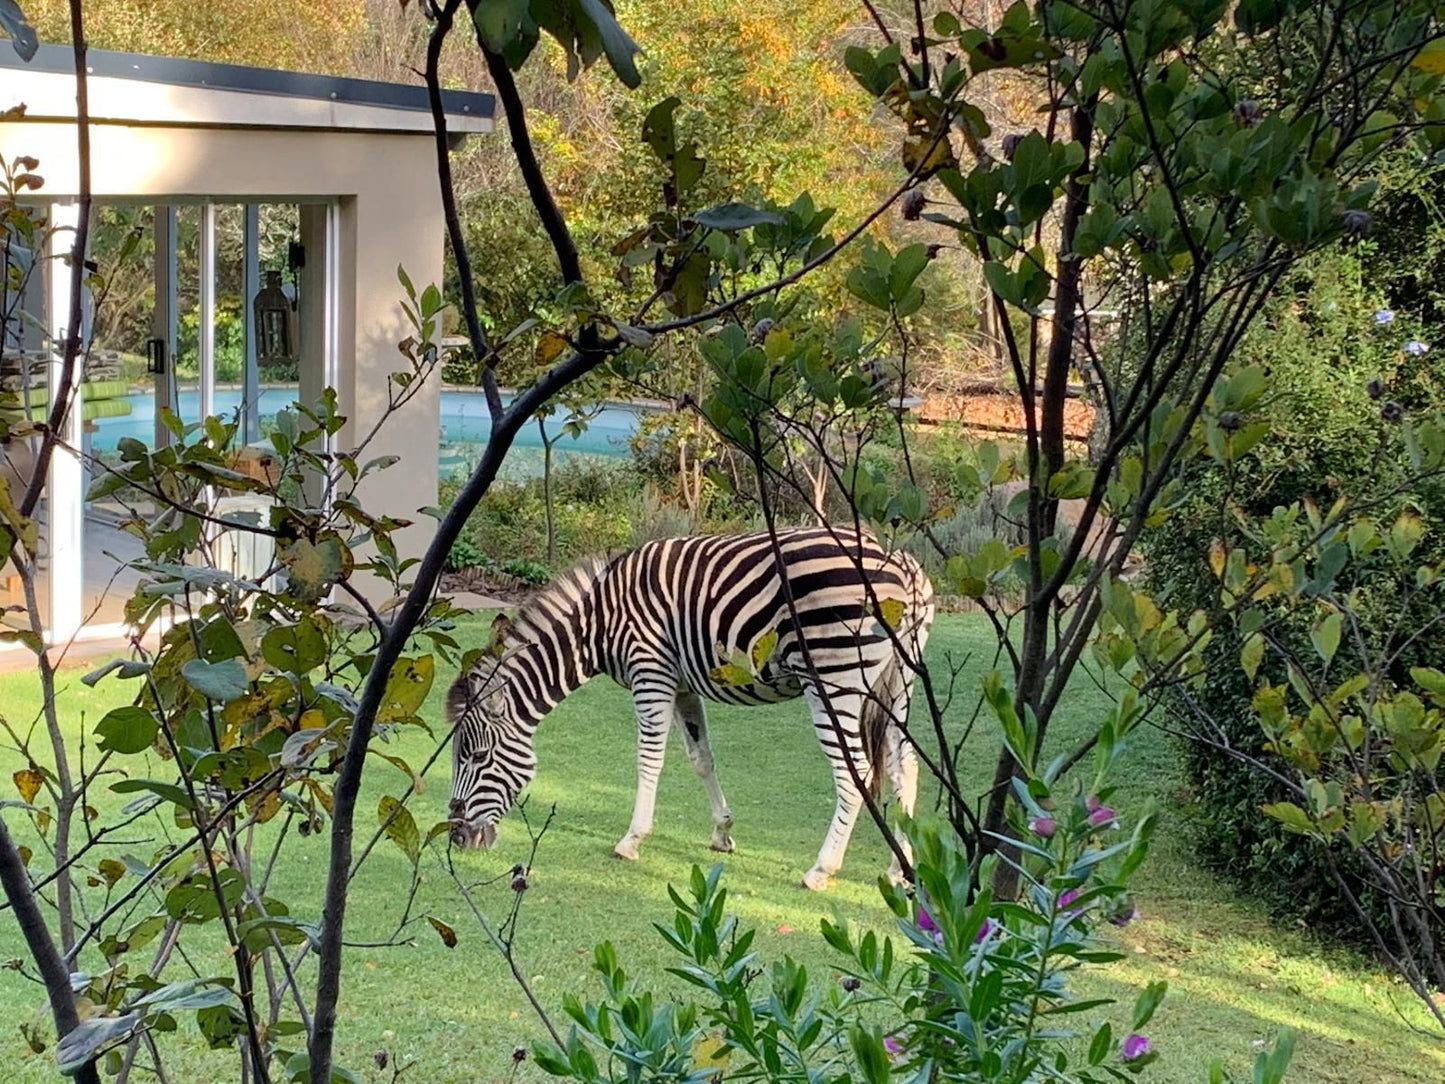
x,y
616,43
21,34
1103,1042
1429,679
1251,655
1292,817
503,24
296,649
81,1045
1147,1002
224,681
128,729
170,792
731,217
1326,636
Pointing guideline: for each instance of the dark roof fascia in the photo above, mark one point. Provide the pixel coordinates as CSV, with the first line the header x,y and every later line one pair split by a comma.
x,y
59,59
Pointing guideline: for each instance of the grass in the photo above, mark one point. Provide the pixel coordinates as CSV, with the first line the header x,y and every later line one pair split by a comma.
x,y
1234,979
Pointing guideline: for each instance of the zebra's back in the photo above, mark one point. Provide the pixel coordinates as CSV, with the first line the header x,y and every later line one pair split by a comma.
x,y
688,604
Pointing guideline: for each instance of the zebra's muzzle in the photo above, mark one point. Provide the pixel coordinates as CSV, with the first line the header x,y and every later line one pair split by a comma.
x,y
474,836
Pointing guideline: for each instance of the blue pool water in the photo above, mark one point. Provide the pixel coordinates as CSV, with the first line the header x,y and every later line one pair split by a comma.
x,y
465,425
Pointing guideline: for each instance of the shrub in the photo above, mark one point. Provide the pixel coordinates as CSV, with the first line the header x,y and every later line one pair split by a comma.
x,y
592,502
1326,431
465,555
534,573
970,989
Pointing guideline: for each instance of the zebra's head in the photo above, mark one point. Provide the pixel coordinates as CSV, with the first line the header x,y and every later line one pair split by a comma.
x,y
492,755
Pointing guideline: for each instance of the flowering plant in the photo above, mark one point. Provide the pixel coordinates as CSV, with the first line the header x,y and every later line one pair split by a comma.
x,y
977,991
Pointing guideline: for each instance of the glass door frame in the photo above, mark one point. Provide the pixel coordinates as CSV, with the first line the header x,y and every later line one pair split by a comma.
x,y
65,484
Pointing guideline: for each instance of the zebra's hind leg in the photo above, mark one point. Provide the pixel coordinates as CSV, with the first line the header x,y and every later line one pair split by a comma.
x,y
654,715
902,761
903,776
692,725
841,750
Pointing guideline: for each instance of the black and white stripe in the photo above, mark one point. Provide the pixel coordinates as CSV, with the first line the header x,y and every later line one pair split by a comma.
x,y
660,620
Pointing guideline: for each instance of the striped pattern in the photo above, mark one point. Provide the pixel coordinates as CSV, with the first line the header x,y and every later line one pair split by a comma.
x,y
660,620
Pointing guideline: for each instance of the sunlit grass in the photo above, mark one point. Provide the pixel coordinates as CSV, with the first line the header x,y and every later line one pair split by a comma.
x,y
1234,979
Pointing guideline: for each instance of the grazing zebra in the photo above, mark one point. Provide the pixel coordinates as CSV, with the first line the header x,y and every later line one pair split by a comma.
x,y
661,620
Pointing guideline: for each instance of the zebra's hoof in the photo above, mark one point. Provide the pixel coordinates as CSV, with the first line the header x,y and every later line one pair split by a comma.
x,y
815,880
721,841
626,849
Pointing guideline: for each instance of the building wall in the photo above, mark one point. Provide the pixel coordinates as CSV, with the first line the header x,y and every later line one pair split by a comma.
x,y
389,214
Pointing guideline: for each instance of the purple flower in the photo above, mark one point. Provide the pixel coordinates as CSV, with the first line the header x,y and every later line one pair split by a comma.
x,y
1069,897
925,921
1415,348
1134,1046
894,1047
1125,913
983,931
1103,817
1042,826
1384,316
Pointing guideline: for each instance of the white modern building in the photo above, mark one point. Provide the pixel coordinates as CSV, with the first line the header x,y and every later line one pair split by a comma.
x,y
250,195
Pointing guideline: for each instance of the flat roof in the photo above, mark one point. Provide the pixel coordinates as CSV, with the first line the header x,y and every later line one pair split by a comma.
x,y
172,90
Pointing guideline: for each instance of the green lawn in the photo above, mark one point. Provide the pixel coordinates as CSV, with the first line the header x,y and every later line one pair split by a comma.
x,y
1234,979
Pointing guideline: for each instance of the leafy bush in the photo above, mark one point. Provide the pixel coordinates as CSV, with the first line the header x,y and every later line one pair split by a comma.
x,y
592,501
1327,438
972,990
535,573
465,555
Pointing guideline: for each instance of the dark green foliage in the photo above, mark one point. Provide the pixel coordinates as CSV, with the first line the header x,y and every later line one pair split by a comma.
x,y
1322,346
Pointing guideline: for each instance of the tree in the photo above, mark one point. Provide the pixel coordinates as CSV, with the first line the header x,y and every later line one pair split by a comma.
x,y
1184,161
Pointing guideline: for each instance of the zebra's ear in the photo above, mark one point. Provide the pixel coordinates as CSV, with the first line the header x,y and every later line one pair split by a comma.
x,y
501,627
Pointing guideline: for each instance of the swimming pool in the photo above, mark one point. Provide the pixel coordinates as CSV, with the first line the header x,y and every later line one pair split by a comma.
x,y
465,426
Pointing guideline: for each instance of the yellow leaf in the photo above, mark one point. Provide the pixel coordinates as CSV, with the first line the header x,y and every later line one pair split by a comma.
x,y
1431,58
730,674
27,782
710,1051
549,347
891,611
764,648
1217,556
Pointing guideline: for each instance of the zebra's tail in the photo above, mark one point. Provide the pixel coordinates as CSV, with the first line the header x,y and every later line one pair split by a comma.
x,y
873,724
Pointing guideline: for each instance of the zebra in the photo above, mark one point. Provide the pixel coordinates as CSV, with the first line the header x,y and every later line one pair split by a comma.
x,y
663,621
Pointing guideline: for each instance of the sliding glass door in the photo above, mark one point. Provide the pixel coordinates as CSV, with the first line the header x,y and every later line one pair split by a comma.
x,y
198,309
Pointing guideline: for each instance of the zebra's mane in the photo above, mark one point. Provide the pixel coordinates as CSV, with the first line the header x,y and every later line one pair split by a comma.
x,y
558,598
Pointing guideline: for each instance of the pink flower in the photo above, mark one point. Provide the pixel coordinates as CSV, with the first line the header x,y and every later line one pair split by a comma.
x,y
1101,816
1069,897
1042,826
894,1047
1135,1046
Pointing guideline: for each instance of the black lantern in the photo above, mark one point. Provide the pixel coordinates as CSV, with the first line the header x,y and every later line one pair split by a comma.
x,y
275,322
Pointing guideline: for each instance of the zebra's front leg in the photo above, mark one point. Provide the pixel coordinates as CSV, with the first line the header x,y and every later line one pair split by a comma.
x,y
841,749
692,724
654,716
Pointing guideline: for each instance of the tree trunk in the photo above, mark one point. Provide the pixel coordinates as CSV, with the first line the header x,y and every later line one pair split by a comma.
x,y
1030,680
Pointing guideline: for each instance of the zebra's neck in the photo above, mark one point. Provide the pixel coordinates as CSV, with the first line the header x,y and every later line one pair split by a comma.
x,y
555,643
